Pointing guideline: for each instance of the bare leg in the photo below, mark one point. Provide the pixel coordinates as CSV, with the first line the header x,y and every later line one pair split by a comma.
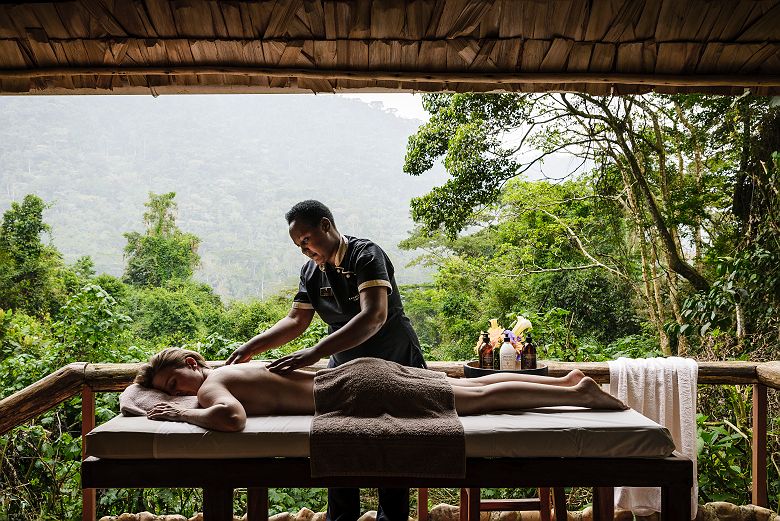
x,y
517,396
573,378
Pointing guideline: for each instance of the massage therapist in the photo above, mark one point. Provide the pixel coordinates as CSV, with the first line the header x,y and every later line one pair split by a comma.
x,y
350,283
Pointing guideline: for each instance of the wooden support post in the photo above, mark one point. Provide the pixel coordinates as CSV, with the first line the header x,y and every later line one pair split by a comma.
x,y
559,500
88,508
464,504
675,503
217,504
603,503
474,499
544,504
257,504
759,475
422,504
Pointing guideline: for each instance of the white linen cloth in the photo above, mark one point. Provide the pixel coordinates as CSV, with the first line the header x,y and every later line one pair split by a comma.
x,y
664,390
137,400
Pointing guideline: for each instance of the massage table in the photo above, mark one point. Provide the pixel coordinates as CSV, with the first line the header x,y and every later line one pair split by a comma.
x,y
546,447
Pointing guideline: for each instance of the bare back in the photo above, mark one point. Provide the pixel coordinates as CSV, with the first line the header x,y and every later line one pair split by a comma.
x,y
260,392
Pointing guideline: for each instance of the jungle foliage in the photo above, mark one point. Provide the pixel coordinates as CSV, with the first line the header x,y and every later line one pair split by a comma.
x,y
664,240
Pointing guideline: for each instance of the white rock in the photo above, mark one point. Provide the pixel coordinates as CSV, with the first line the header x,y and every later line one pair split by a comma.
x,y
758,513
281,516
147,516
445,512
304,514
368,516
127,517
319,516
587,514
197,517
726,511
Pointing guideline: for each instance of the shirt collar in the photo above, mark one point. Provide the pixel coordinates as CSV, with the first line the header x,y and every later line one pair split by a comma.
x,y
340,253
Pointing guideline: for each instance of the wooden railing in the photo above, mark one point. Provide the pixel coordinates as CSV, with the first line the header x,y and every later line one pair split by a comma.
x,y
87,379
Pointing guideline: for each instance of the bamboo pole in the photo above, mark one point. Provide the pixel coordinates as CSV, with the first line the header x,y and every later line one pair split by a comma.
x,y
479,77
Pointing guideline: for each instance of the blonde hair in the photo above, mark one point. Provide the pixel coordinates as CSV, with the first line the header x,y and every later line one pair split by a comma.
x,y
170,356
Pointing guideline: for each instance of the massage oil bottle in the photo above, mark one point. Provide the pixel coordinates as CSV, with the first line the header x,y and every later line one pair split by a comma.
x,y
486,353
507,355
529,353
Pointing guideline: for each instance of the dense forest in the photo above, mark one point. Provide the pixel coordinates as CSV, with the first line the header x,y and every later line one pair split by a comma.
x,y
663,240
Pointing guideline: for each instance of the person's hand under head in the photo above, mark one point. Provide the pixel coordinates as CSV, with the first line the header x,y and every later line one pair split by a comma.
x,y
166,411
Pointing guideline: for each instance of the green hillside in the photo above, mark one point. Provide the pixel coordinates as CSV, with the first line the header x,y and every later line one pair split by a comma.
x,y
236,163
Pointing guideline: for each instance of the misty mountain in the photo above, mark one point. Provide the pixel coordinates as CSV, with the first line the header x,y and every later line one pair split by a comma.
x,y
236,163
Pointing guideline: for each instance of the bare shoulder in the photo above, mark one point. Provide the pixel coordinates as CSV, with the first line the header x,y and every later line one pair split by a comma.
x,y
222,384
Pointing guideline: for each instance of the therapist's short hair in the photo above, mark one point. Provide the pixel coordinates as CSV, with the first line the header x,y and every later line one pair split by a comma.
x,y
310,212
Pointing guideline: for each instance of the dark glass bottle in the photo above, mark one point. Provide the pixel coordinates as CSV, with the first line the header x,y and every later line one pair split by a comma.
x,y
529,353
485,353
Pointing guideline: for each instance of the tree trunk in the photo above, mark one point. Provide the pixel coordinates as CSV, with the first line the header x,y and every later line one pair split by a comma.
x,y
674,259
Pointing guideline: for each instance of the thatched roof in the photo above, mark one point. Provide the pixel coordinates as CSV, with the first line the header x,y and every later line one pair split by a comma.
x,y
188,46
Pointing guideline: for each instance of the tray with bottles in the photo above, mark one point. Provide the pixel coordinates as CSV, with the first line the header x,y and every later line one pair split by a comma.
x,y
505,350
473,370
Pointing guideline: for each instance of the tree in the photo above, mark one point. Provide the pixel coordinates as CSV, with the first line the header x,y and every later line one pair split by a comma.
x,y
521,256
164,252
27,266
663,162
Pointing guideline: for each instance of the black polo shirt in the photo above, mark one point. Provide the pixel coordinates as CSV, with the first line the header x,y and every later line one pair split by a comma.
x,y
333,292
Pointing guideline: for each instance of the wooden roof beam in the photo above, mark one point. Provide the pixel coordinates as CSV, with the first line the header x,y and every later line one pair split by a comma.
x,y
479,77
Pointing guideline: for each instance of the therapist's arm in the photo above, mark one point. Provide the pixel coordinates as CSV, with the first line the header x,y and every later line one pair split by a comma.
x,y
287,329
364,325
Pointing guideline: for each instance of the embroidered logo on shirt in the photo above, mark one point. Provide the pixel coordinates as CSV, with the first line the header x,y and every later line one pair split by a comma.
x,y
326,292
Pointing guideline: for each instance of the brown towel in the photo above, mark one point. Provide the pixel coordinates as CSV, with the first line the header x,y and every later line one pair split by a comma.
x,y
137,400
379,418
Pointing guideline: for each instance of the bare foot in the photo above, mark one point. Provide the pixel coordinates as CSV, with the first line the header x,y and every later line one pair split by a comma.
x,y
596,398
574,377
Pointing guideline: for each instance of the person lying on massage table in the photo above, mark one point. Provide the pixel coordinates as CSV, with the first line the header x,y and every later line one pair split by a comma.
x,y
228,394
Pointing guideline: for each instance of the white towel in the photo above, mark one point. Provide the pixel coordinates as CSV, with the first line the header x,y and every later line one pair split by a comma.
x,y
136,400
664,390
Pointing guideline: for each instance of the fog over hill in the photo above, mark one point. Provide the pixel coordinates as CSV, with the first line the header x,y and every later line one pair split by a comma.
x,y
236,163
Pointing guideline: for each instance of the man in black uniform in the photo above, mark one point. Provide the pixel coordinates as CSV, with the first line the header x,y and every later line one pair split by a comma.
x,y
350,283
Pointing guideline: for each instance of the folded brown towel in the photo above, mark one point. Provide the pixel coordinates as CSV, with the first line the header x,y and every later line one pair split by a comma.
x,y
137,400
379,418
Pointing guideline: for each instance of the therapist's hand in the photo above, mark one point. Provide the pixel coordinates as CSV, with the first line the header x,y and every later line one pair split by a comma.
x,y
296,360
240,355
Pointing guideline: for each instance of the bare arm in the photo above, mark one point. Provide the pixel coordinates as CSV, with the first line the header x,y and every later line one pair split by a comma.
x,y
364,325
221,412
288,328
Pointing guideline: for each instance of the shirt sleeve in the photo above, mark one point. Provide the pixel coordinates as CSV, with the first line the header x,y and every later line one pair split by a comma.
x,y
301,299
371,268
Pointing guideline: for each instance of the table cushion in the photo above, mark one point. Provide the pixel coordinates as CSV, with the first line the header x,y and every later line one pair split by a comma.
x,y
544,432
